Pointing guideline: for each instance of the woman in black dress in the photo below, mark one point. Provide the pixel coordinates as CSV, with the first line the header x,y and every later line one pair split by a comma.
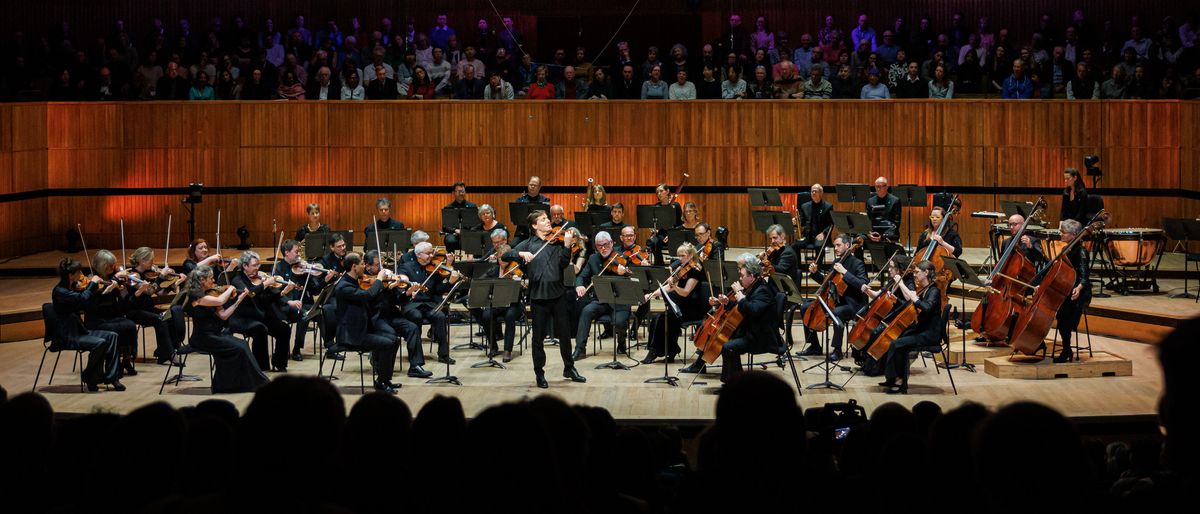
x,y
1074,198
314,223
950,240
684,291
236,372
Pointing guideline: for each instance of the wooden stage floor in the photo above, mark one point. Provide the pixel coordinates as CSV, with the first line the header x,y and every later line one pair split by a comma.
x,y
623,393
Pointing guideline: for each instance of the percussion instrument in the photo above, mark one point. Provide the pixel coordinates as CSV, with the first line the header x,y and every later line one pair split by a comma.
x,y
1134,247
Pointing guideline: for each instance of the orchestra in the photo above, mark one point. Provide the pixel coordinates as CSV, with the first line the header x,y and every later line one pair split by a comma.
x,y
381,300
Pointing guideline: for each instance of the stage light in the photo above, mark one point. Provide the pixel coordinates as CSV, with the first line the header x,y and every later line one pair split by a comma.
x,y
195,193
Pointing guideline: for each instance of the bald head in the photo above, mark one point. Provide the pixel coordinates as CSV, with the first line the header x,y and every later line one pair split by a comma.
x,y
881,187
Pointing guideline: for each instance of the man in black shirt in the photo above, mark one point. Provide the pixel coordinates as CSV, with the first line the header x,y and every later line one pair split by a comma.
x,y
1029,246
854,272
591,307
421,307
382,88
759,330
627,86
171,86
544,263
358,327
460,202
814,216
884,210
257,319
618,218
383,217
912,85
533,194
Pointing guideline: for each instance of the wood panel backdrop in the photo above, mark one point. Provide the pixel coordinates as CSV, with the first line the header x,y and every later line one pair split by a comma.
x,y
68,164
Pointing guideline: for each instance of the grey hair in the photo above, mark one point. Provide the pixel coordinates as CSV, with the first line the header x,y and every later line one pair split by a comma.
x,y
422,246
248,256
750,262
487,208
419,236
383,202
104,262
499,233
776,229
196,278
603,237
1072,226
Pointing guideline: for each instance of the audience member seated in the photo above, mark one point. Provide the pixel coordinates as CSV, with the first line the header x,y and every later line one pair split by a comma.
x,y
497,89
541,88
874,89
570,88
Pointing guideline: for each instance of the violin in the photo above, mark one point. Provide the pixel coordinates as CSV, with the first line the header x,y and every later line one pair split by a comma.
x,y
706,249
615,264
82,284
560,237
436,264
638,257
511,269
302,267
220,290
395,282
771,253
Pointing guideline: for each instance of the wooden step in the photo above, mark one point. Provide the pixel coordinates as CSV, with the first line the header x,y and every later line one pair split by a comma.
x,y
976,353
1100,364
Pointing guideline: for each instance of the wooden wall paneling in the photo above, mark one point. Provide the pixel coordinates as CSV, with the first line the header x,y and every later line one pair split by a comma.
x,y
1035,166
579,123
648,124
284,124
181,125
961,124
1138,167
84,125
29,170
178,167
1141,124
394,166
609,166
86,168
494,124
384,124
26,228
280,166
29,126
728,166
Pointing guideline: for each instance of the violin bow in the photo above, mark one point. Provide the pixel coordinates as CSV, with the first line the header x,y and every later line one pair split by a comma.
x,y
79,227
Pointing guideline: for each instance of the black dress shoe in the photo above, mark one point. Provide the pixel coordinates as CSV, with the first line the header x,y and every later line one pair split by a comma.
x,y
93,387
393,385
381,385
335,356
836,355
887,383
579,354
492,352
574,375
650,357
297,356
419,372
671,358
695,367
447,360
1063,356
542,383
898,389
117,385
812,350
127,369
606,334
507,357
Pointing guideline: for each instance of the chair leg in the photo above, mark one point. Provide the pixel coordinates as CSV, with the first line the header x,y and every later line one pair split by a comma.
x,y
39,371
362,386
55,368
949,373
79,354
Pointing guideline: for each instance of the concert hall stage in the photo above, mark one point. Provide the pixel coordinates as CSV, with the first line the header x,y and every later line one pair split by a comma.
x,y
1127,326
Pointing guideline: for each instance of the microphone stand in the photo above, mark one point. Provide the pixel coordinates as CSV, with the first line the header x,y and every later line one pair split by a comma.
x,y
826,364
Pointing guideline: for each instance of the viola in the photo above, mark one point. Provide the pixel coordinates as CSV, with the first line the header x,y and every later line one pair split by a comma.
x,y
615,263
436,264
638,257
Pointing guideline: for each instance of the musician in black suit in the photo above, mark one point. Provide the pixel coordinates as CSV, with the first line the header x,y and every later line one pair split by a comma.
x,y
759,329
1074,198
70,333
292,305
658,242
460,202
358,328
334,260
591,307
617,220
258,317
815,218
1081,295
1029,246
704,234
383,217
533,194
422,305
388,308
544,263
491,318
883,208
854,272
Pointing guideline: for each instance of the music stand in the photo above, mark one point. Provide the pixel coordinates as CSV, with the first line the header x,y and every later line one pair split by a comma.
x,y
400,240
589,222
881,252
656,217
493,294
963,273
826,364
786,285
852,193
1012,207
316,244
725,273
461,217
854,223
910,195
617,291
764,219
764,197
678,236
475,242
518,212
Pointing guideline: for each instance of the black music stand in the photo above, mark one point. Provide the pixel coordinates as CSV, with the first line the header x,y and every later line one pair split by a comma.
x,y
666,378
725,273
492,294
881,252
460,218
853,223
475,242
617,291
589,222
764,219
656,217
852,193
518,213
963,273
910,195
764,197
825,363
1014,207
400,240
678,236
316,244
786,285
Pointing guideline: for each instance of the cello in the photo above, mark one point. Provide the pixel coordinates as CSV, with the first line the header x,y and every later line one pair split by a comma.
x,y
991,318
718,328
1029,332
814,317
934,252
879,309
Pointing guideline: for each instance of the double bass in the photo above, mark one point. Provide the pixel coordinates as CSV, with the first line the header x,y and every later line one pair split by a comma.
x,y
1029,331
834,284
991,318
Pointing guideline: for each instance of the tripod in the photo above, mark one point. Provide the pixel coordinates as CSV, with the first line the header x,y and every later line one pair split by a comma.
x,y
495,295
447,378
666,378
826,364
963,273
618,293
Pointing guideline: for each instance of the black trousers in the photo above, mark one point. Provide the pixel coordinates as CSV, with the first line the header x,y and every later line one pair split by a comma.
x,y
657,246
258,332
674,329
382,343
731,355
167,334
101,346
594,309
411,332
491,319
843,312
425,315
125,329
1068,317
550,316
896,359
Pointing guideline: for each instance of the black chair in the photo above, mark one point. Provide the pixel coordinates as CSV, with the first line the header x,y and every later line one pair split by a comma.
x,y
51,344
949,312
1177,229
341,348
183,352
